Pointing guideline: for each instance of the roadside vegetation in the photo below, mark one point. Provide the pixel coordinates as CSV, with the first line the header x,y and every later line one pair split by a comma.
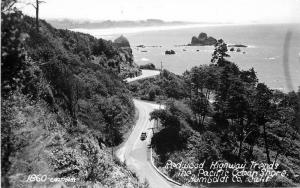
x,y
219,112
149,66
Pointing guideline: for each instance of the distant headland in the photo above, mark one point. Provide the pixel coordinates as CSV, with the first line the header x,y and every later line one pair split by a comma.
x,y
73,24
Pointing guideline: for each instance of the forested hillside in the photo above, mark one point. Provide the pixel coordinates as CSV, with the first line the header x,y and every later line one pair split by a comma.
x,y
220,113
64,105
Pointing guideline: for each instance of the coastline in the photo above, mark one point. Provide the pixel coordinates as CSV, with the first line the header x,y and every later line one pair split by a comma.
x,y
138,29
131,30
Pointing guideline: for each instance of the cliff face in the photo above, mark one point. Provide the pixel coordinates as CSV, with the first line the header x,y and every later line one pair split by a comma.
x,y
203,40
127,67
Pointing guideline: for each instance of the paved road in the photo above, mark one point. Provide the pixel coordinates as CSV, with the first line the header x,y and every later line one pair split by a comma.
x,y
145,74
134,151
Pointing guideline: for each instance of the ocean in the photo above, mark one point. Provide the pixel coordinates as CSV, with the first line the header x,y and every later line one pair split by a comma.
x,y
265,51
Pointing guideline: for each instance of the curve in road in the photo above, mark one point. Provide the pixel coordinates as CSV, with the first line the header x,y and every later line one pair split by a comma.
x,y
135,153
145,74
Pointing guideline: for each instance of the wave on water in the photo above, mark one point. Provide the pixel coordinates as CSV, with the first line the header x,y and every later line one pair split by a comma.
x,y
108,32
247,45
272,58
251,46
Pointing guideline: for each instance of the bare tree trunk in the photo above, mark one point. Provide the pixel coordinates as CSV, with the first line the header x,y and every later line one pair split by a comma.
x,y
37,15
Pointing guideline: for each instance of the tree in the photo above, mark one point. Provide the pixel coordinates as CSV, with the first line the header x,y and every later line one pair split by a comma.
x,y
286,118
227,77
220,52
198,78
263,110
13,62
249,76
212,80
37,9
66,84
173,119
200,107
113,114
166,118
201,82
237,108
152,94
173,89
7,5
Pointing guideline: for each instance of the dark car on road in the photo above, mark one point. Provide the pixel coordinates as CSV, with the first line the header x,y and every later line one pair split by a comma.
x,y
143,136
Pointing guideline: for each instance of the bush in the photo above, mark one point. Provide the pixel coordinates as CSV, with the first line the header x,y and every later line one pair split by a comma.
x,y
152,94
149,66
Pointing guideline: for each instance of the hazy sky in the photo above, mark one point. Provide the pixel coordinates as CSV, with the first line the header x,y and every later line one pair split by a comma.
x,y
237,11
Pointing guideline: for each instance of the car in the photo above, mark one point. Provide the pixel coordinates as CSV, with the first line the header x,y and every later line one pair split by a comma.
x,y
143,136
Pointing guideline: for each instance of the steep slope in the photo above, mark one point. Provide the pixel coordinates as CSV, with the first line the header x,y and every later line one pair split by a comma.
x,y
81,84
62,110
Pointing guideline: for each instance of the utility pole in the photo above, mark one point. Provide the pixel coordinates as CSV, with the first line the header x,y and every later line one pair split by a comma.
x,y
152,130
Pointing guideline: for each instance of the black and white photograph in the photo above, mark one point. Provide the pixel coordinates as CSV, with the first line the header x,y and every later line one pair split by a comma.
x,y
150,93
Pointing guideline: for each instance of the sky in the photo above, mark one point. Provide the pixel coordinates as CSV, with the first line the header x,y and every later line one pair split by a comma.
x,y
225,11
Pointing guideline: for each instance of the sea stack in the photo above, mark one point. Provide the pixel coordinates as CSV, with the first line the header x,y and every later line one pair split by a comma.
x,y
203,40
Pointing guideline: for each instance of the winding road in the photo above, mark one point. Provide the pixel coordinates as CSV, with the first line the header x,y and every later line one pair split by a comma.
x,y
145,74
135,152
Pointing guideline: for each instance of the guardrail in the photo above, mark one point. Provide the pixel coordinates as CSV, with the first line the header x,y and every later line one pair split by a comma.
x,y
162,174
